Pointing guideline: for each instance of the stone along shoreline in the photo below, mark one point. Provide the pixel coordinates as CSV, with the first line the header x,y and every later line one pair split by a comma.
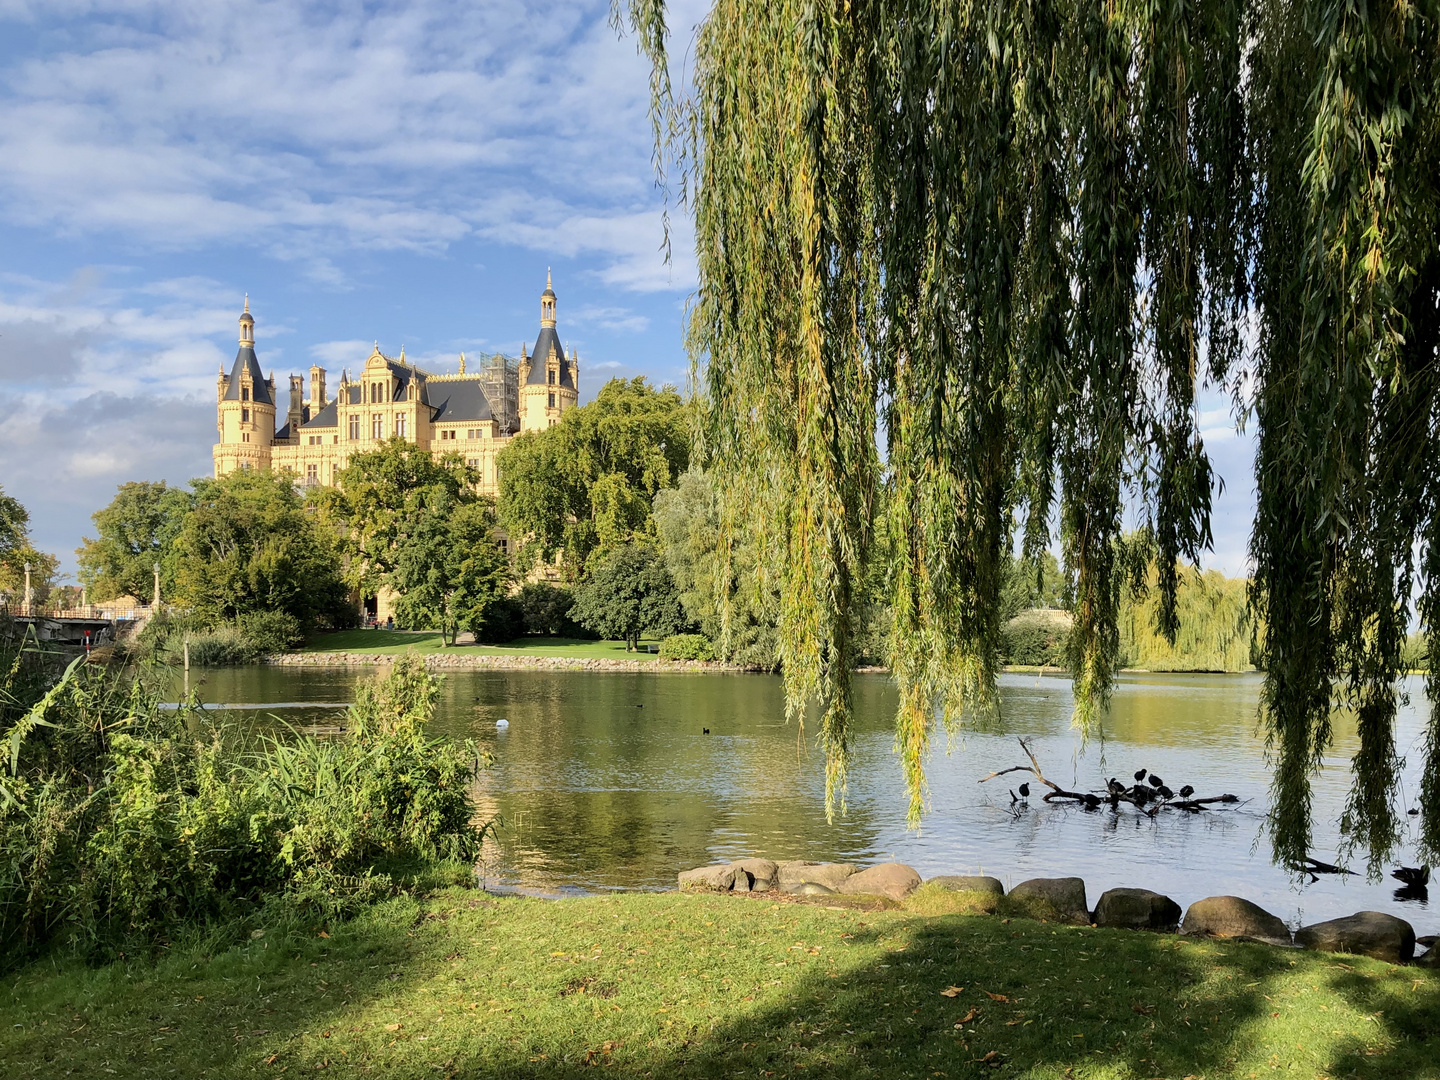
x,y
1366,933
487,662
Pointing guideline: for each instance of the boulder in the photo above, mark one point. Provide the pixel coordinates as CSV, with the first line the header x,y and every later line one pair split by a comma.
x,y
1430,958
1066,895
709,877
743,880
895,880
807,888
968,884
1137,909
1366,933
763,873
1233,917
829,874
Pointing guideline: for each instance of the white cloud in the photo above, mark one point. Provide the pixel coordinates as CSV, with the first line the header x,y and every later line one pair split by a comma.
x,y
608,318
306,130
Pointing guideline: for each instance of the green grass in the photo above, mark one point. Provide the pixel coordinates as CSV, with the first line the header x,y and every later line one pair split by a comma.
x,y
670,985
389,642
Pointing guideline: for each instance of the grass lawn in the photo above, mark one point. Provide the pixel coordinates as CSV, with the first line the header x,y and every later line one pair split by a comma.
x,y
669,985
385,642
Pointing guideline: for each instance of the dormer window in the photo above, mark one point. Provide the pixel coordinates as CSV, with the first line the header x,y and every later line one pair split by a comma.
x,y
552,376
245,393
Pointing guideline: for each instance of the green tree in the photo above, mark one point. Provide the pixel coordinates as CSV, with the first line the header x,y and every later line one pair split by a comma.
x,y
16,550
450,570
377,503
720,584
1014,239
137,530
249,545
628,593
587,484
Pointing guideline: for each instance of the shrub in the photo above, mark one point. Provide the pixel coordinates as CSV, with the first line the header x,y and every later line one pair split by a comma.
x,y
545,609
271,632
1037,638
501,620
122,823
687,647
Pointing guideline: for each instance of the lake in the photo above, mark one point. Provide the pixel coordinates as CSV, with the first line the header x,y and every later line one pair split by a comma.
x,y
606,781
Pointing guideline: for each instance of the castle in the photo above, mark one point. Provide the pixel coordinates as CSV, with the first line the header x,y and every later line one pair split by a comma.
x,y
474,414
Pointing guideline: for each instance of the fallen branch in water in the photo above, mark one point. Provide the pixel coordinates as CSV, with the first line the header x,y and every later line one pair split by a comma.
x,y
1148,799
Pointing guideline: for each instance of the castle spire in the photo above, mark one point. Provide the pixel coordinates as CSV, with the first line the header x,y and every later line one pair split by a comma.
x,y
547,303
247,325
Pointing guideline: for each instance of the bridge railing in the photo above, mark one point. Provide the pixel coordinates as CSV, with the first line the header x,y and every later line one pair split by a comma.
x,y
85,611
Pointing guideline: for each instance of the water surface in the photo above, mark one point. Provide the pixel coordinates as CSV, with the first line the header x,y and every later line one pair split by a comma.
x,y
607,781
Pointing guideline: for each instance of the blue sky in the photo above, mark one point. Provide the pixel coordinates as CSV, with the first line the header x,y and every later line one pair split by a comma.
x,y
371,171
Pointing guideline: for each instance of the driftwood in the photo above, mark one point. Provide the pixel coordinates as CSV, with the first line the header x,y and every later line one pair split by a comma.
x,y
1149,800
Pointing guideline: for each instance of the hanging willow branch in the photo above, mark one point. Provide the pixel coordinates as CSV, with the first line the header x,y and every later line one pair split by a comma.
x,y
1012,239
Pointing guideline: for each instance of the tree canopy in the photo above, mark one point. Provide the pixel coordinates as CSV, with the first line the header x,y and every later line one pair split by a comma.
x,y
16,550
587,484
136,530
450,570
380,497
1016,237
626,593
248,545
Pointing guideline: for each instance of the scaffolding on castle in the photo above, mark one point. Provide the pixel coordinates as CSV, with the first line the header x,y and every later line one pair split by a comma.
x,y
500,379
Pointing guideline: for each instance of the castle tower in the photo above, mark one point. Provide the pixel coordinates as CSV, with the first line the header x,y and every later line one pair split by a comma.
x,y
245,411
549,381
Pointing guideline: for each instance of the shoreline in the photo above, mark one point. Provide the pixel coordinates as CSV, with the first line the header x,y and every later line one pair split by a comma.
x,y
445,661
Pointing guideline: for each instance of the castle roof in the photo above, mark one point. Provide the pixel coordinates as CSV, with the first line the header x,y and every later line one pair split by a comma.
x,y
548,338
260,389
459,399
325,418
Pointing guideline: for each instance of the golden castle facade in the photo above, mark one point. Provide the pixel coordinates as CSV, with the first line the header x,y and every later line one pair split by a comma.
x,y
474,413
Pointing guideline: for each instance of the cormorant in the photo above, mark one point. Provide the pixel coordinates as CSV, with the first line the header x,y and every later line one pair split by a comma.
x,y
1140,775
1186,791
705,731
1155,781
1025,790
1165,792
1414,876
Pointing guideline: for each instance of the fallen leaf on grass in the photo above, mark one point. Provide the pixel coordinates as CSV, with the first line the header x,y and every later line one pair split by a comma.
x,y
969,1016
997,997
952,991
322,934
393,1027
992,1057
1143,1010
272,1059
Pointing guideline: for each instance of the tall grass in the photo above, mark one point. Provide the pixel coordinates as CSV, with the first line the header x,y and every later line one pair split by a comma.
x,y
123,824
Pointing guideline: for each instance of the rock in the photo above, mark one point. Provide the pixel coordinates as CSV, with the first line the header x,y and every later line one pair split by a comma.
x,y
1066,895
895,880
1233,917
807,888
828,874
1137,909
1366,933
1428,941
968,884
763,872
708,877
743,880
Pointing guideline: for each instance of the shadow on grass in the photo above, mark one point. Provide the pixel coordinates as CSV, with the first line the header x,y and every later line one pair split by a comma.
x,y
715,986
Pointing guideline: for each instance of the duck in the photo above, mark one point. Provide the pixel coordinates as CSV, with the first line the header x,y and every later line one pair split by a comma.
x,y
1165,792
704,731
1414,811
1412,875
502,724
1156,782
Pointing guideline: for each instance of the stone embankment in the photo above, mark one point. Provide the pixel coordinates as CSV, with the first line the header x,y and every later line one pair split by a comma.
x,y
1366,933
461,661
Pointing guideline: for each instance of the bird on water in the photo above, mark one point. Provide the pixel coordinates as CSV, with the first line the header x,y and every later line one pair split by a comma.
x,y
1155,781
1140,775
1025,790
1186,791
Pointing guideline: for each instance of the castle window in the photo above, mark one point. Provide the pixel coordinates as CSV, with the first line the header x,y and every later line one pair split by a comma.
x,y
245,393
552,401
335,438
377,426
551,373
312,475
244,416
400,426
354,430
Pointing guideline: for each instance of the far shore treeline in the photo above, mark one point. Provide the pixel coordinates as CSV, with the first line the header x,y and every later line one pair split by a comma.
x,y
602,528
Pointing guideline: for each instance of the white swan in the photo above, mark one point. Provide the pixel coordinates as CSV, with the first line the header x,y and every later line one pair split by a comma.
x,y
502,724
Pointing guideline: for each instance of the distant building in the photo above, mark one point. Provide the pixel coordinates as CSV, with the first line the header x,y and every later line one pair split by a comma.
x,y
472,413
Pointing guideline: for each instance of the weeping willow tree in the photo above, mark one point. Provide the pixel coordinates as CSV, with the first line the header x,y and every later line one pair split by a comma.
x,y
963,267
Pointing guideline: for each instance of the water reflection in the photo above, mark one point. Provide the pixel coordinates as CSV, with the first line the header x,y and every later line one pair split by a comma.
x,y
608,781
